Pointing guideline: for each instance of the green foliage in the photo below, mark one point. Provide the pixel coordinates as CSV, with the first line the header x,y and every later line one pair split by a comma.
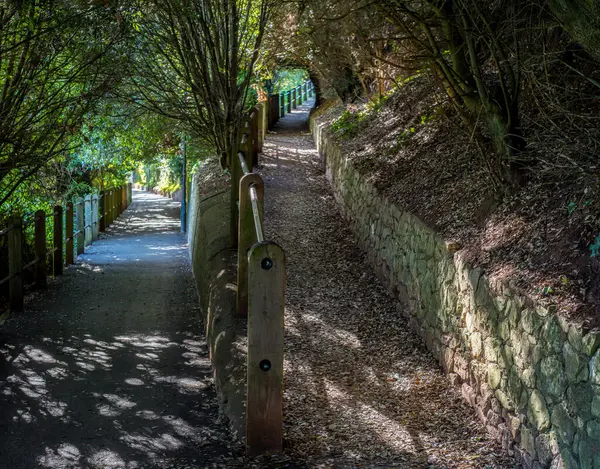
x,y
595,247
286,79
347,125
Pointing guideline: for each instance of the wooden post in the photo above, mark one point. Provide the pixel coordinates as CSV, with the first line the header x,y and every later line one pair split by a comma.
x,y
247,235
95,226
79,215
247,147
109,208
102,211
233,210
69,233
282,105
129,194
295,98
40,250
260,135
87,216
299,95
57,253
15,264
264,406
289,103
273,110
254,135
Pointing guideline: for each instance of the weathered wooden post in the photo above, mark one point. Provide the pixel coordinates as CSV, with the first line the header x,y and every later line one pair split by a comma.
x,y
247,146
70,215
234,196
294,98
254,135
79,216
289,103
102,211
299,95
15,264
58,241
260,131
247,235
281,105
109,209
274,110
266,292
95,226
87,215
40,249
118,201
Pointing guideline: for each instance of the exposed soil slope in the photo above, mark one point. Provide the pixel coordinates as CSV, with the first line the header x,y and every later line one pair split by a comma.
x,y
537,236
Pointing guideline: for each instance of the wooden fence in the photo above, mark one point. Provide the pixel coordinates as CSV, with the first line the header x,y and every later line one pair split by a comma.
x,y
285,102
260,276
75,227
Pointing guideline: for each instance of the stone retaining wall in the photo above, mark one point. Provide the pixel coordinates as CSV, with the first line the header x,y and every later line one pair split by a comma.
x,y
533,378
214,267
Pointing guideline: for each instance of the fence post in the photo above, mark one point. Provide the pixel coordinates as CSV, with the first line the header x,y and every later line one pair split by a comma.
x,y
282,105
129,193
87,216
294,98
40,249
264,406
255,144
260,108
79,215
69,233
289,103
109,201
273,110
247,235
235,176
15,264
247,146
94,217
58,241
102,211
299,95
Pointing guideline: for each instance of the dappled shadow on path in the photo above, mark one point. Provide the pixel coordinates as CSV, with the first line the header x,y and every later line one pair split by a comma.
x,y
109,367
361,390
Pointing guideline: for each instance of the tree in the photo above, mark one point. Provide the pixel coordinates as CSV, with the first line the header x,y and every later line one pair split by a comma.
x,y
53,61
196,64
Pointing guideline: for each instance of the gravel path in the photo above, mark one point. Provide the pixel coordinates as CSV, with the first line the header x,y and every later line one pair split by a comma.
x,y
109,368
360,388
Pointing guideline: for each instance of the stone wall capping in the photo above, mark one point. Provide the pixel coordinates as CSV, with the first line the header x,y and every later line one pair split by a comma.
x,y
532,376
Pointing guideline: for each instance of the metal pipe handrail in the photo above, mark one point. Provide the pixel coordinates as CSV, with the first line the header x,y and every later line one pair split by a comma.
x,y
10,277
256,214
243,164
31,264
7,230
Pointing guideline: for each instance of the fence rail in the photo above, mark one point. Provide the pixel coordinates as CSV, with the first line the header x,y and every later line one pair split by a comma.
x,y
260,276
87,212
